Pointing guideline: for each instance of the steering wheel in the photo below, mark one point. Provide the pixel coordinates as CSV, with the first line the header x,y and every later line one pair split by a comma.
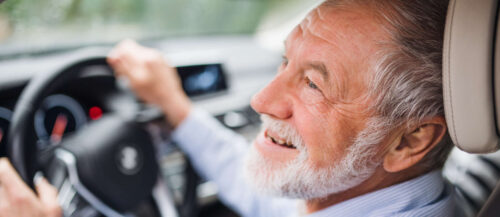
x,y
110,165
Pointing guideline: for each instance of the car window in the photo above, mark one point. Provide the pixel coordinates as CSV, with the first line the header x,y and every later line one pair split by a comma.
x,y
27,23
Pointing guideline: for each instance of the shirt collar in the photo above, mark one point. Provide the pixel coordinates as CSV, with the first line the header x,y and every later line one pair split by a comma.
x,y
401,197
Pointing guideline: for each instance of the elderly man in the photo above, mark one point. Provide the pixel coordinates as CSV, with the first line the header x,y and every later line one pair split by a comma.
x,y
353,122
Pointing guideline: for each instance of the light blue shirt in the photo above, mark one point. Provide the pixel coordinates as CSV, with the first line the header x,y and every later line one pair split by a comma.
x,y
217,153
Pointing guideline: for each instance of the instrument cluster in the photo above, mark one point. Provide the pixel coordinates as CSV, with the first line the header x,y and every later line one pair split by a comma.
x,y
59,116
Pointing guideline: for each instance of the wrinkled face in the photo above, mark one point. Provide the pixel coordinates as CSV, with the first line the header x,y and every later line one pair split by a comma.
x,y
315,107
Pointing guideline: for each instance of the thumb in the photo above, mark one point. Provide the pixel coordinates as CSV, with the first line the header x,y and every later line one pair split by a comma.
x,y
47,195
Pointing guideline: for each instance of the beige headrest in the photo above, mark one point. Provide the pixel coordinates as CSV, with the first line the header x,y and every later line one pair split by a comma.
x,y
469,73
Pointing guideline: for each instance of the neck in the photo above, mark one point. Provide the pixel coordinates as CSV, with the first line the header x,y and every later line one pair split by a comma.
x,y
380,179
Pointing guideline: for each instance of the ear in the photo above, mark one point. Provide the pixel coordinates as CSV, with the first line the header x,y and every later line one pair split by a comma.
x,y
414,144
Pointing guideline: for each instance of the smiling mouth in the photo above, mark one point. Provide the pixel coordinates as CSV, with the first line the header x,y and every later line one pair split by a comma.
x,y
279,141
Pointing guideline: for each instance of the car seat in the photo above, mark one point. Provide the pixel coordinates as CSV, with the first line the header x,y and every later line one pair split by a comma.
x,y
471,85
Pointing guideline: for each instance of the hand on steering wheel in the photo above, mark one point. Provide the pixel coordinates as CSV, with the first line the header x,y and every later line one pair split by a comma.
x,y
151,78
18,200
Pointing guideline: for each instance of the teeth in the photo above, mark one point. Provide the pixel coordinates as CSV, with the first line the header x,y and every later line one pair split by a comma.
x,y
280,141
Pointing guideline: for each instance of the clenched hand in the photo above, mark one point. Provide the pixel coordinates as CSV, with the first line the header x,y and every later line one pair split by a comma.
x,y
151,78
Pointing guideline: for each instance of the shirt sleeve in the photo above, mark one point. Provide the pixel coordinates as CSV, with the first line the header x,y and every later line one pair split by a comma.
x,y
217,154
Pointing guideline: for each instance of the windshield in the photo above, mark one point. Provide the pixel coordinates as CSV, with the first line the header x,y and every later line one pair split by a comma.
x,y
29,24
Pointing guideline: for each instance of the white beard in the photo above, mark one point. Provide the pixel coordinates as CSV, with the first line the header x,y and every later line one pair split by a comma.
x,y
299,179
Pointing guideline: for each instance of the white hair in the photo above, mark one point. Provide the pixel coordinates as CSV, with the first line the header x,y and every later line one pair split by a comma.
x,y
406,86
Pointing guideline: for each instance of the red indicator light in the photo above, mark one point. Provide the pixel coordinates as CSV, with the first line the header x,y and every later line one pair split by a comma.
x,y
95,113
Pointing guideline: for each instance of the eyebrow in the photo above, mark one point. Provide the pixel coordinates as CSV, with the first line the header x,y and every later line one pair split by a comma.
x,y
320,67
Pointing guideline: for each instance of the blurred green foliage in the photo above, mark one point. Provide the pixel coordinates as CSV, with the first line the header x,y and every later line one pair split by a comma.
x,y
114,19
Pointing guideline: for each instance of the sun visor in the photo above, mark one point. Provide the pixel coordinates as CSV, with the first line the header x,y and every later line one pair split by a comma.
x,y
469,75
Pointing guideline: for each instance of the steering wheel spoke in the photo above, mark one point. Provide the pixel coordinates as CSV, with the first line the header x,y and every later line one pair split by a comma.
x,y
76,186
77,200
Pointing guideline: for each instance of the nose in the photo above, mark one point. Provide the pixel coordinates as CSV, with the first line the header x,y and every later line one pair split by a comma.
x,y
273,99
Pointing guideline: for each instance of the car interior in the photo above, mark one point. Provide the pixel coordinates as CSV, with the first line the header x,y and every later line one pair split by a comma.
x,y
64,114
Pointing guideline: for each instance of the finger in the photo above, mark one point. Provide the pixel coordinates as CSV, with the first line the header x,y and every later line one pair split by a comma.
x,y
115,59
10,180
117,66
122,59
123,49
3,196
5,204
117,53
127,68
46,192
122,65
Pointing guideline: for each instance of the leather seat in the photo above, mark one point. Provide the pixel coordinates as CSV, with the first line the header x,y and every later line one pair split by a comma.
x,y
471,85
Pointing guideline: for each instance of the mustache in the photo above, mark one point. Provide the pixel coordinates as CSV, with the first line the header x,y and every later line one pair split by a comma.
x,y
283,129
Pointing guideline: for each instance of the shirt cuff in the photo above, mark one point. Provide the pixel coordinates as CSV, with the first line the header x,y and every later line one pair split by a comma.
x,y
192,131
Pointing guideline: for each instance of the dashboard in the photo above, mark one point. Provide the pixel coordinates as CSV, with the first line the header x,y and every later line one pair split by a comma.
x,y
220,74
88,98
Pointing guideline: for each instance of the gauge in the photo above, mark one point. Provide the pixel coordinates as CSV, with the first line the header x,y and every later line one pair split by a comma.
x,y
5,115
58,115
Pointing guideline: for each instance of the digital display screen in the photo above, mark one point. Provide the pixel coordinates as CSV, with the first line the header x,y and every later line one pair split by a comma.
x,y
202,79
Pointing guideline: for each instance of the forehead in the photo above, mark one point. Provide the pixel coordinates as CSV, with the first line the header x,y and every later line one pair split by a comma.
x,y
329,33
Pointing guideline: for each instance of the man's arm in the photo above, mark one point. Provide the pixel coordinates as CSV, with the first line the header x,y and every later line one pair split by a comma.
x,y
216,152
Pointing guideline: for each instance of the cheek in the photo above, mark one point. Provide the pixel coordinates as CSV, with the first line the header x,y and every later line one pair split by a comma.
x,y
325,132
312,99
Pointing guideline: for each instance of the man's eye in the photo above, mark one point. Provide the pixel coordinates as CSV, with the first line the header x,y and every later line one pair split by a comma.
x,y
284,61
311,84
